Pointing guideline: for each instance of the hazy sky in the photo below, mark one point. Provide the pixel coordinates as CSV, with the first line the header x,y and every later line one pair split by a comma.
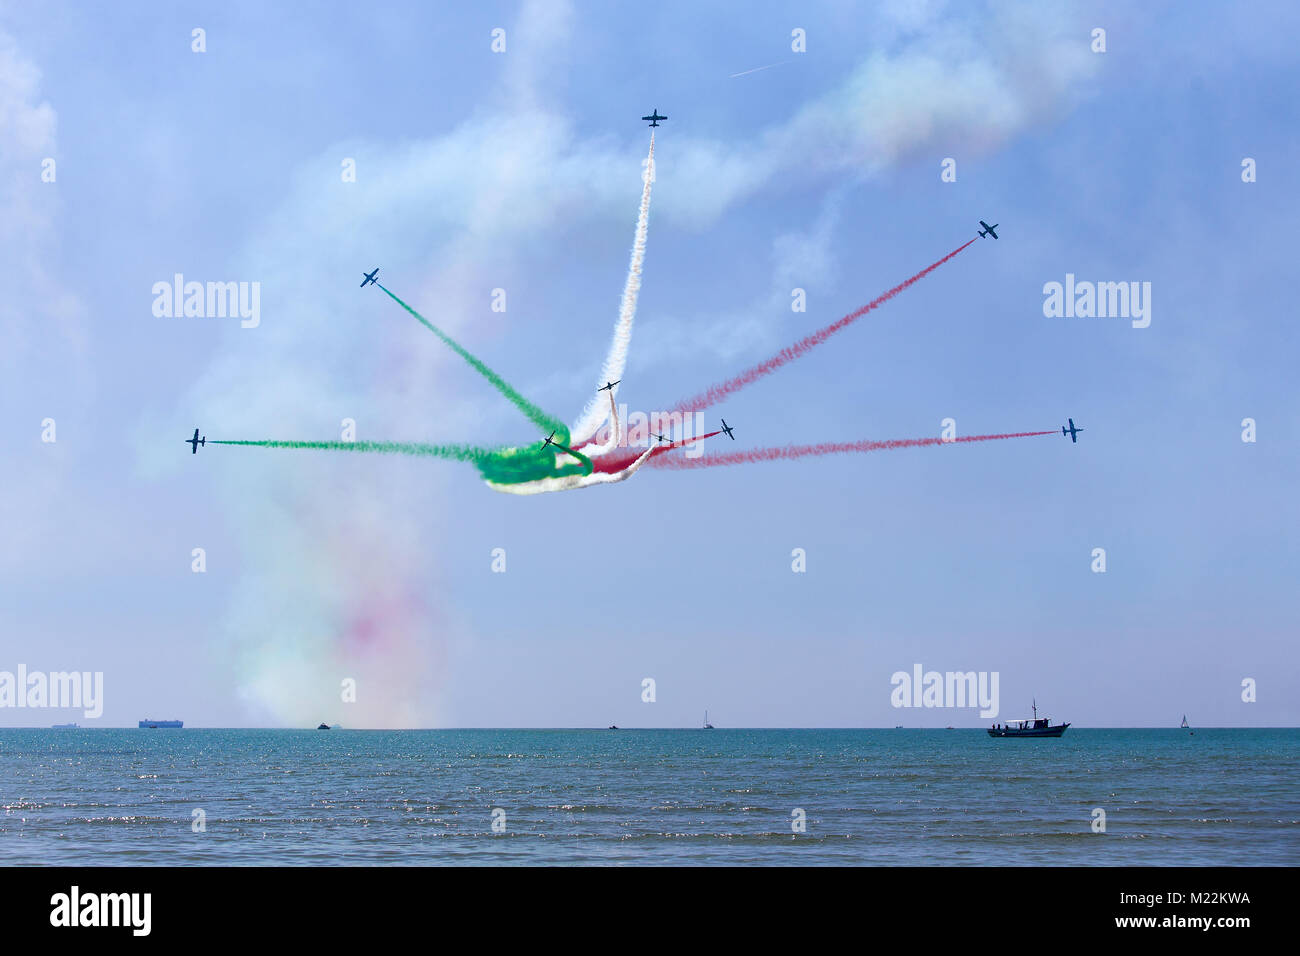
x,y
520,170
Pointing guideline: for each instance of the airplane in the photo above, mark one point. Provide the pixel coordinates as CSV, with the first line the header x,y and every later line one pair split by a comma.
x,y
728,430
196,441
988,230
608,386
663,439
550,441
654,118
370,277
1071,431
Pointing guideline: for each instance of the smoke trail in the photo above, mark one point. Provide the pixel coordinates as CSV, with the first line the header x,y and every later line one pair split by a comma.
x,y
791,452
622,459
498,466
716,393
608,470
758,69
454,452
531,411
593,416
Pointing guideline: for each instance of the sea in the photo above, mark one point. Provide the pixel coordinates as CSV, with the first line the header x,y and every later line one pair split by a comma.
x,y
649,797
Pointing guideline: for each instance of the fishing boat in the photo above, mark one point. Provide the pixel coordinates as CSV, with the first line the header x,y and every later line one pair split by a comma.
x,y
707,725
1035,727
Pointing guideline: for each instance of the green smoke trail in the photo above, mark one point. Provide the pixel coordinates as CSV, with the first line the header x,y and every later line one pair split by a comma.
x,y
504,466
456,452
533,413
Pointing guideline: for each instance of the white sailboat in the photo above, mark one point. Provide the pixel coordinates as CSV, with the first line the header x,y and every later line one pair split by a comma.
x,y
707,725
1184,724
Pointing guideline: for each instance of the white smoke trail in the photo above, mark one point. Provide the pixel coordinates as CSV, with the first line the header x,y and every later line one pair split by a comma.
x,y
593,416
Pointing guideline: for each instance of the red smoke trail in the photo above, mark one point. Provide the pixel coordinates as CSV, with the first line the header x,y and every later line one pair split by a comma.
x,y
826,448
617,461
718,392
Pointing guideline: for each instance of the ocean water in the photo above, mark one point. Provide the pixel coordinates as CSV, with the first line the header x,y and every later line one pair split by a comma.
x,y
869,797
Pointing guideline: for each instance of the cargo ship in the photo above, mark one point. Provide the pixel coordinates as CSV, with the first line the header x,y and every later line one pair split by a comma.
x,y
156,724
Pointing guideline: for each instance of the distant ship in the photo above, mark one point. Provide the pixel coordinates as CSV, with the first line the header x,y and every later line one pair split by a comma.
x,y
613,726
707,725
323,727
65,727
156,724
1038,727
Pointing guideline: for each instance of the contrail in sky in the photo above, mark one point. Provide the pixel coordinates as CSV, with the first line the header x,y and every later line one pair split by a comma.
x,y
758,69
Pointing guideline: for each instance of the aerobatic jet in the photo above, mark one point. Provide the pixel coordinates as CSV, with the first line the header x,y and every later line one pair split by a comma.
x,y
988,230
196,441
1071,431
654,117
550,440
370,277
728,430
608,386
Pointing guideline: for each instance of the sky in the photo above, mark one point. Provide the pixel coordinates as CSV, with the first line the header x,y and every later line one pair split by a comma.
x,y
778,169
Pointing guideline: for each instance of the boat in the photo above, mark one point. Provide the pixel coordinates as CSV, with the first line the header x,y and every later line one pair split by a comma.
x,y
164,724
1036,727
323,727
64,727
707,725
1184,723
613,726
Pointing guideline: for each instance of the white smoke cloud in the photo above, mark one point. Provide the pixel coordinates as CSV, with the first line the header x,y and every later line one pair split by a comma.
x,y
334,583
43,335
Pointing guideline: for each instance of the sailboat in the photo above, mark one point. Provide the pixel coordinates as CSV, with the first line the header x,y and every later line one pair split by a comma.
x,y
707,725
1184,723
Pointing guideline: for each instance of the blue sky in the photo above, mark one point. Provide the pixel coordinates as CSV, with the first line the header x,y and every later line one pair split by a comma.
x,y
521,170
